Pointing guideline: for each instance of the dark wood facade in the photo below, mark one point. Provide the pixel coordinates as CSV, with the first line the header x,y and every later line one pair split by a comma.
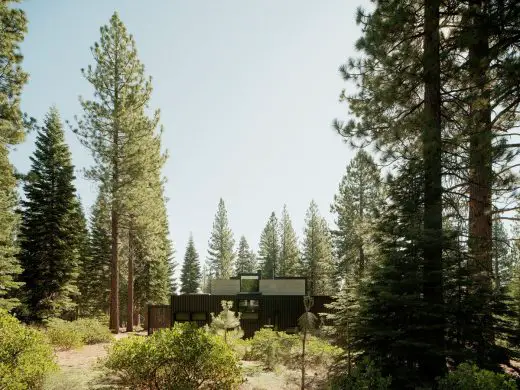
x,y
279,311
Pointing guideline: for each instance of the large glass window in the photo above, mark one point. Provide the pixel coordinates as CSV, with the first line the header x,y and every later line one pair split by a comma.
x,y
249,283
198,317
249,308
182,316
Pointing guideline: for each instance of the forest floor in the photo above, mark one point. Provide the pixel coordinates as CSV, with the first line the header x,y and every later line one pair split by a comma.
x,y
81,369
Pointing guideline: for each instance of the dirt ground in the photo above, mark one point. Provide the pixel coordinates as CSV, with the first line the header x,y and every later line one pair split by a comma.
x,y
80,370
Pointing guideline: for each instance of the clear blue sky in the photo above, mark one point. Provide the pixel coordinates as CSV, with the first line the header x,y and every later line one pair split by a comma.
x,y
247,91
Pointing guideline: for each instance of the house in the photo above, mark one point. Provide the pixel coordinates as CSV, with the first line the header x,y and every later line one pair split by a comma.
x,y
274,302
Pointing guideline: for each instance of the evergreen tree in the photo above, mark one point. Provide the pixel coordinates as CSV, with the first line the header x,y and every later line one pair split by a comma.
x,y
190,274
391,302
356,206
269,249
317,259
206,278
289,253
13,26
50,247
221,242
399,110
82,244
94,276
246,259
125,148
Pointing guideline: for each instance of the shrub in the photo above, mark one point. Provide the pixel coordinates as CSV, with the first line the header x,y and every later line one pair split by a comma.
x,y
470,377
63,335
184,357
25,356
320,352
365,375
92,331
66,335
273,348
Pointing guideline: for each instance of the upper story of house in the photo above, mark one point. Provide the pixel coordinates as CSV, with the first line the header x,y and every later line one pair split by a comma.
x,y
252,283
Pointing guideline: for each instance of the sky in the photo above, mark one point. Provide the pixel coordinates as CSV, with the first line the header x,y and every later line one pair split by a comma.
x,y
247,92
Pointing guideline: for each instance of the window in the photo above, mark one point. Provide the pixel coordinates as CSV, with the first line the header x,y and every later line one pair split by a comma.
x,y
249,283
249,308
182,316
198,316
249,316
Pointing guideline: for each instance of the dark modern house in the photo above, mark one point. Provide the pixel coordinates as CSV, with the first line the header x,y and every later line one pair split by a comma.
x,y
274,302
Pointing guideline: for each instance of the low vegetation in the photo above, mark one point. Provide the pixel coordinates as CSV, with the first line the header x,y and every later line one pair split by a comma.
x,y
64,335
183,357
470,377
25,356
274,348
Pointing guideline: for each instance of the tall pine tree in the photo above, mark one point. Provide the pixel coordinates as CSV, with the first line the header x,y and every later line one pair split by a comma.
x,y
190,273
220,252
289,260
49,242
317,258
356,207
122,141
269,249
246,259
13,26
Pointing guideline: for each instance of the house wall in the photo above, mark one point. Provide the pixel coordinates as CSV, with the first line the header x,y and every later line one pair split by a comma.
x,y
282,286
281,311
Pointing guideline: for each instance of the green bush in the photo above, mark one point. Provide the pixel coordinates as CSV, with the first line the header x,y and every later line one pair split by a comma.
x,y
25,356
92,331
63,335
273,348
184,357
470,377
365,375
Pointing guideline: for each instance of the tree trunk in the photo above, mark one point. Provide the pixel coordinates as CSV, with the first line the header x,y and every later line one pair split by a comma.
x,y
130,299
433,363
114,274
480,171
303,358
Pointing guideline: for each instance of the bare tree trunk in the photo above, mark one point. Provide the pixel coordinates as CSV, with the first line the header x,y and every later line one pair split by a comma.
x,y
303,358
480,171
130,299
433,362
114,274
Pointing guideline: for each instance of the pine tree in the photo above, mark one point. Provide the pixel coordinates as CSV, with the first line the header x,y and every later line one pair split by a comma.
x,y
398,109
317,259
391,303
13,26
221,242
269,249
246,259
94,276
124,145
356,206
49,233
289,253
190,274
82,245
